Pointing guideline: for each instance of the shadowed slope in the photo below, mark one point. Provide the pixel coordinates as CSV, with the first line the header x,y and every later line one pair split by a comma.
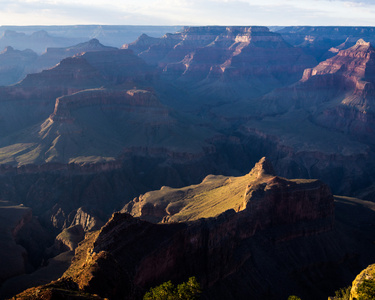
x,y
100,124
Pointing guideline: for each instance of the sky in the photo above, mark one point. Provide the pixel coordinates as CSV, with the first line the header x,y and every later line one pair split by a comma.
x,y
188,12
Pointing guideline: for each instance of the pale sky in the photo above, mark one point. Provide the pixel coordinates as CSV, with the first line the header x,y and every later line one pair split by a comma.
x,y
188,12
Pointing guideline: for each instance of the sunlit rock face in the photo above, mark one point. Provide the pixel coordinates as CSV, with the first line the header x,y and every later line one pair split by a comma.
x,y
213,248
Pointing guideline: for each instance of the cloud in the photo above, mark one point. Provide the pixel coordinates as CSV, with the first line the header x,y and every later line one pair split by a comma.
x,y
188,12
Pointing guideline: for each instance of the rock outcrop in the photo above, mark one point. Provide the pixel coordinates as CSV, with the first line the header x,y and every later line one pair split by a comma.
x,y
277,211
366,274
23,240
338,94
14,63
319,40
69,238
219,56
264,196
100,125
87,220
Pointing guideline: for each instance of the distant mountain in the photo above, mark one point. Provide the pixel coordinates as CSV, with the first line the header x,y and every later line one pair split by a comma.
x,y
225,61
32,100
317,40
38,41
339,92
14,64
53,56
99,125
39,38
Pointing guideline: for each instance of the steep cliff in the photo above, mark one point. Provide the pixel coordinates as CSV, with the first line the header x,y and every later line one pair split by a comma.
x,y
23,240
338,94
217,194
318,40
139,254
232,61
99,125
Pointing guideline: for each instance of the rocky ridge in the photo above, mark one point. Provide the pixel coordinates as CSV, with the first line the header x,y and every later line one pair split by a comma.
x,y
321,41
175,250
217,55
217,194
337,94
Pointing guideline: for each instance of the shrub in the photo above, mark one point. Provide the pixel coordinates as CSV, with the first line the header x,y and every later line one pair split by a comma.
x,y
343,293
366,290
188,290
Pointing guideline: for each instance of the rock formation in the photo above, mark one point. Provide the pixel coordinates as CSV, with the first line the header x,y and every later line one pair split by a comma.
x,y
53,56
14,63
23,240
217,194
130,121
317,40
339,93
112,262
366,274
217,55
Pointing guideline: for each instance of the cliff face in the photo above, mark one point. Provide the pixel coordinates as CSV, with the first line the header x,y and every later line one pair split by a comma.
x,y
99,125
267,198
22,240
324,41
143,254
338,93
225,54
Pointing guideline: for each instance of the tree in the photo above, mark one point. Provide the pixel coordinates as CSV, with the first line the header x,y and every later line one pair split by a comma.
x,y
189,290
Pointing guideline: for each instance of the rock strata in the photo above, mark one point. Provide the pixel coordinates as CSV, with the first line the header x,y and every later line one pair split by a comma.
x,y
210,248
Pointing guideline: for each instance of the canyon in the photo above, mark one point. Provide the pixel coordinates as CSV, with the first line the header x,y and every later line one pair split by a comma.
x,y
92,129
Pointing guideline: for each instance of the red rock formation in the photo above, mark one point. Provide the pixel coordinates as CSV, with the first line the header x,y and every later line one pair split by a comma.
x,y
339,93
253,55
211,249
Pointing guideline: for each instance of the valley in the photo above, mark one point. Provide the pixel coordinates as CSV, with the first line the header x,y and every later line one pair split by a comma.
x,y
109,148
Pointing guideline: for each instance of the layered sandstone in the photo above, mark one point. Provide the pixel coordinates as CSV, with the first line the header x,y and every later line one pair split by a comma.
x,y
141,254
338,93
217,194
216,55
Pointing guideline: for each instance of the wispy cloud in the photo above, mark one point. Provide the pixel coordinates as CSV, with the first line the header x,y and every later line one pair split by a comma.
x,y
189,12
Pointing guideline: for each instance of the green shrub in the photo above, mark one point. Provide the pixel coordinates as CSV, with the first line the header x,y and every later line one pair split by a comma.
x,y
188,290
366,290
343,293
292,297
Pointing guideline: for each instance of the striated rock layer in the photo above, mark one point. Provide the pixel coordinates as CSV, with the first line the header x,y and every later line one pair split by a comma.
x,y
233,61
283,240
128,255
338,94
